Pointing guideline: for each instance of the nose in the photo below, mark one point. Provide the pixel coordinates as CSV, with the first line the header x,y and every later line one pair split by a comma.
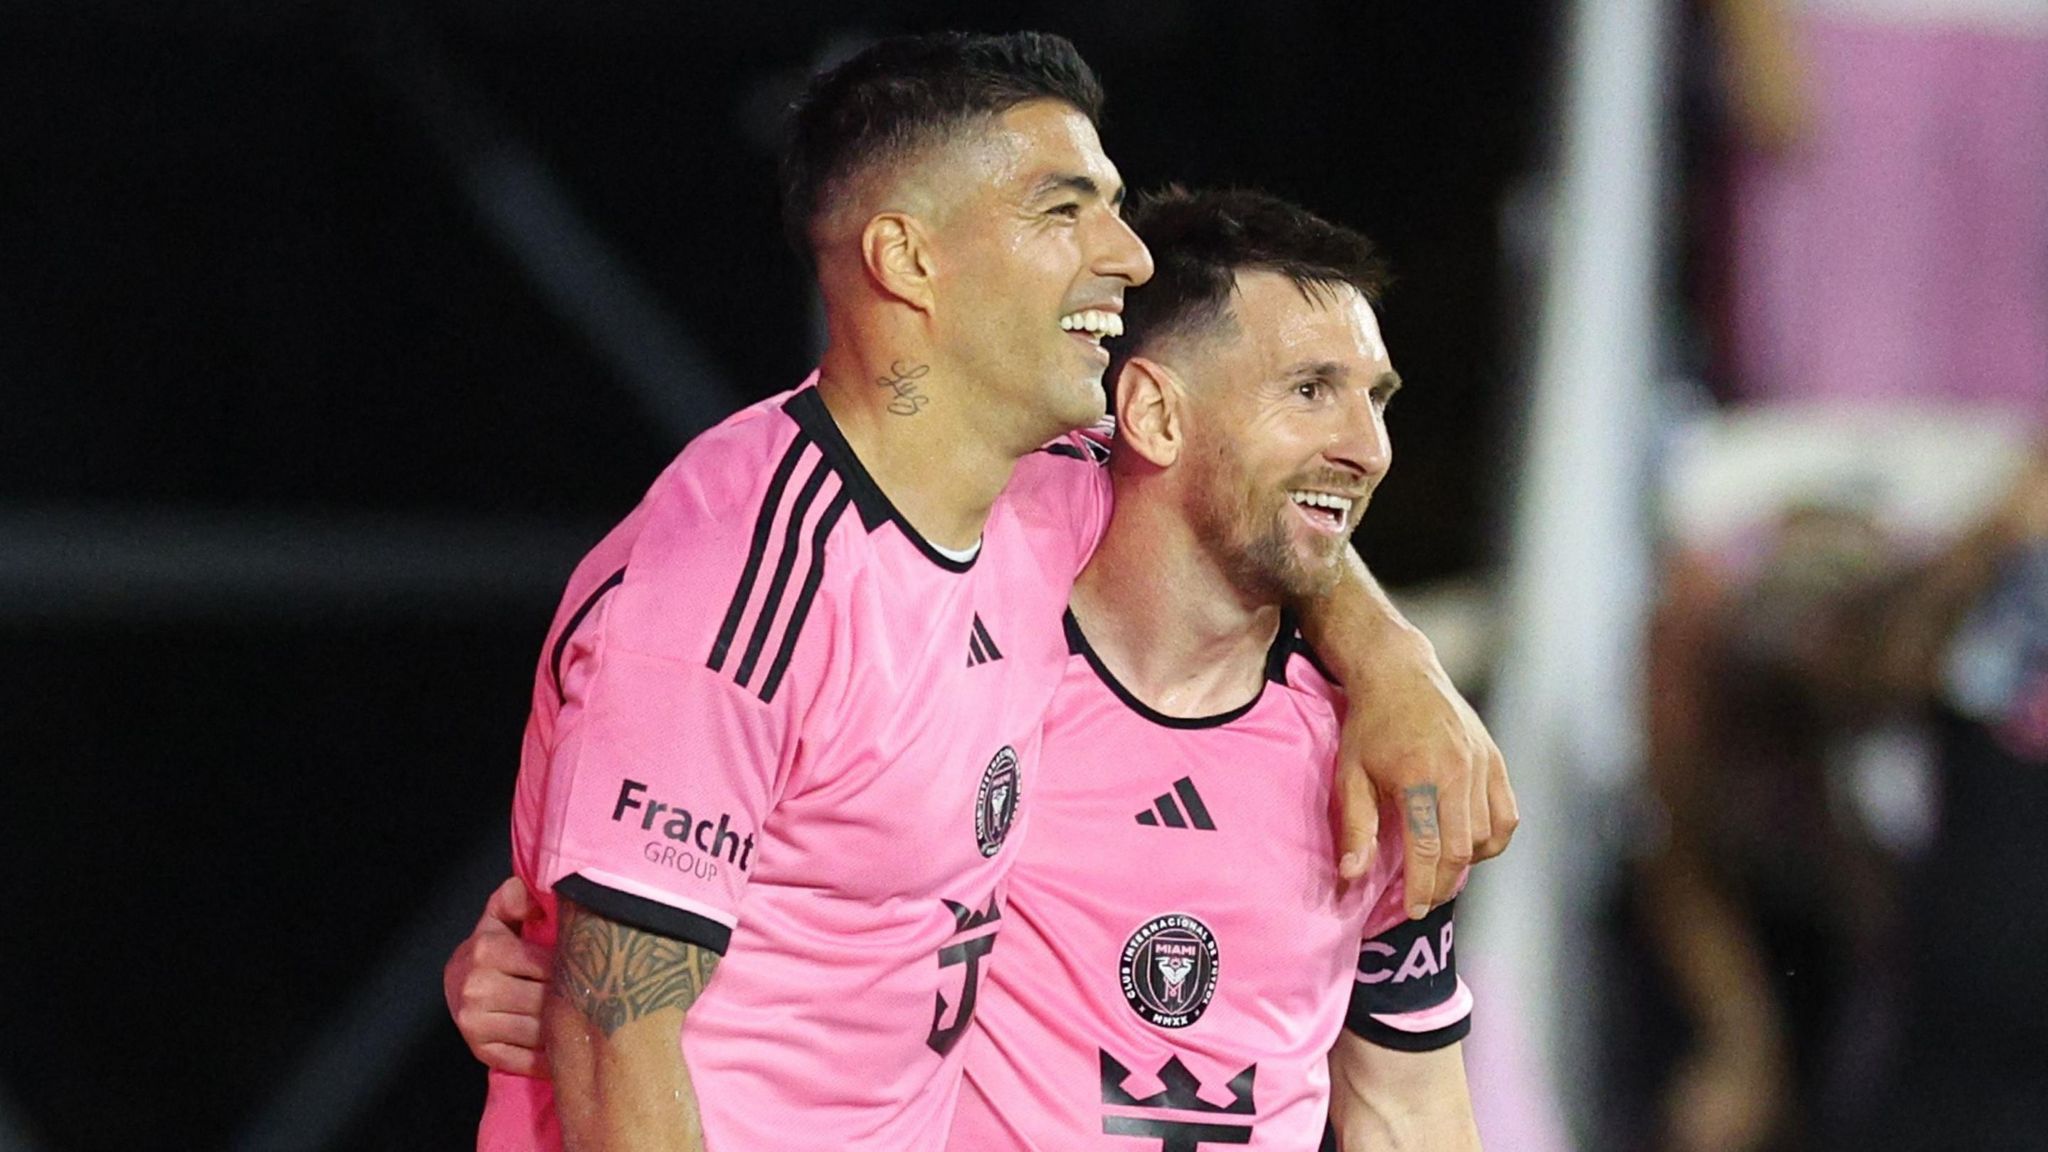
x,y
1122,254
1358,442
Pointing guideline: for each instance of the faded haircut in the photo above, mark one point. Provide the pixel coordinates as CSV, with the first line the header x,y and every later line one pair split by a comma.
x,y
906,94
1202,241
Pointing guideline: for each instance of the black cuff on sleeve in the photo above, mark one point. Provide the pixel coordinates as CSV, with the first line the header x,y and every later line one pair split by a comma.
x,y
1362,1025
644,914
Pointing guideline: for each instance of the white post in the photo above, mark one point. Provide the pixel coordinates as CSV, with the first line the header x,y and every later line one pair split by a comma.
x,y
1566,699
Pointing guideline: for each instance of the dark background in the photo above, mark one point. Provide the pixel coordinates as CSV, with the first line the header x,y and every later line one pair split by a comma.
x,y
298,447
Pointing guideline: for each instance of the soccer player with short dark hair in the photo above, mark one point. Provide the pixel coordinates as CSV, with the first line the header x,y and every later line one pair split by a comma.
x,y
1180,968
1179,964
789,711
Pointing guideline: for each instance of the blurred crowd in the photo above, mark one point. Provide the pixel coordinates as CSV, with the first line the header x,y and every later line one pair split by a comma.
x,y
1832,927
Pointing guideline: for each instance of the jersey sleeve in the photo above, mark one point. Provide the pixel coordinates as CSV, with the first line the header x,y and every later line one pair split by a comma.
x,y
1406,993
673,737
1062,494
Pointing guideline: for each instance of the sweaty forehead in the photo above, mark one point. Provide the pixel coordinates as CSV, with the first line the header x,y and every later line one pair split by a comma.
x,y
1282,325
1042,147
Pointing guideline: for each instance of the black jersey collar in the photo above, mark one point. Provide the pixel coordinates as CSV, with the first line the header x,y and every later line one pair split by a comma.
x,y
808,409
1285,642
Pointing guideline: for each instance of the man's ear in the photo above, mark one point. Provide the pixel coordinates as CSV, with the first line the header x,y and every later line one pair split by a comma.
x,y
897,250
1149,400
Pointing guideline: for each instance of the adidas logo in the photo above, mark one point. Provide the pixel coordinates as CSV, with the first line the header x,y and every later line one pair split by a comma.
x,y
981,647
1165,811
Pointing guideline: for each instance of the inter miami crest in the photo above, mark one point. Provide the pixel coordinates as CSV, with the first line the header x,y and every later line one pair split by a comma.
x,y
1169,970
996,806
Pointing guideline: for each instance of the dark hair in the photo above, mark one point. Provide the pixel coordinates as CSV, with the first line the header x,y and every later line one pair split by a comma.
x,y
907,93
1201,241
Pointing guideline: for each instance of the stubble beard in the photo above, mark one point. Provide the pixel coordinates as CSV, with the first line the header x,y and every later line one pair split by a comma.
x,y
1250,536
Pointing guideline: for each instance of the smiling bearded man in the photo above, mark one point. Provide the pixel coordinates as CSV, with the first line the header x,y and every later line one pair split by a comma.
x,y
759,728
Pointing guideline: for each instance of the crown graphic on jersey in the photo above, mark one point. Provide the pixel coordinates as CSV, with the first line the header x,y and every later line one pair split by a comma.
x,y
965,917
1165,810
981,647
1181,1091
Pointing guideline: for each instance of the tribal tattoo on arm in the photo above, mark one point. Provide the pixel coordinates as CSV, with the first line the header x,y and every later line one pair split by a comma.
x,y
615,974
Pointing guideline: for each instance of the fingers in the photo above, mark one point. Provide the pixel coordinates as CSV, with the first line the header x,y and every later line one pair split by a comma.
x,y
1505,813
520,958
512,904
483,1028
1358,821
499,1017
494,985
518,1061
1454,813
1482,806
1422,830
475,987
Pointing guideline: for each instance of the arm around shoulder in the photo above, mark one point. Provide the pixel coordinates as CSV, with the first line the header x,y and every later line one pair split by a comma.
x,y
1408,735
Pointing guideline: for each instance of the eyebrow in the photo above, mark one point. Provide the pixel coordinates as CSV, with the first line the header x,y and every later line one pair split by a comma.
x,y
1335,370
1077,184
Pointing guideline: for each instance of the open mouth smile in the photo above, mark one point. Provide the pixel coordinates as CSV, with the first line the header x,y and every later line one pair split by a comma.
x,y
1323,511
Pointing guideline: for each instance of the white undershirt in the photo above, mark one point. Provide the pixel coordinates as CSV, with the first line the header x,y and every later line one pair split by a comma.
x,y
961,556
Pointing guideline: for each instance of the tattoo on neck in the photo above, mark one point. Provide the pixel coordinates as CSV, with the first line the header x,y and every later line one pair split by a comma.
x,y
902,384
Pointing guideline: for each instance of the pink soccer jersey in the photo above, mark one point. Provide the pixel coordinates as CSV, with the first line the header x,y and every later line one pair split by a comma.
x,y
772,721
1178,956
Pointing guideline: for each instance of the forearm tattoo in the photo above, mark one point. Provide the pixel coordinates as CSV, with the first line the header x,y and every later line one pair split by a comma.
x,y
1419,803
614,974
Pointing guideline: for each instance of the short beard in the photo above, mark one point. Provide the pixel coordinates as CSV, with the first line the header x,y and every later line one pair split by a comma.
x,y
1270,562
1256,553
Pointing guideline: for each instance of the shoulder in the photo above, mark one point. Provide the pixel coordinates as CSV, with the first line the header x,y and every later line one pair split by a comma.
x,y
1075,459
728,551
757,481
1061,494
1297,666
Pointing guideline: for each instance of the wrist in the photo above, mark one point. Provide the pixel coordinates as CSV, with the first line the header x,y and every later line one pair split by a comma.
x,y
1381,649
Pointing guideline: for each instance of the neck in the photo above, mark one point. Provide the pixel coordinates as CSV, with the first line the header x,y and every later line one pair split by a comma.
x,y
911,427
1164,617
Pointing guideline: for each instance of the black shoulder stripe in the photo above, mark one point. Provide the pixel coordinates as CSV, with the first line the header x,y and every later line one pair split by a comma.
x,y
804,597
807,408
763,524
1088,450
785,563
644,914
576,621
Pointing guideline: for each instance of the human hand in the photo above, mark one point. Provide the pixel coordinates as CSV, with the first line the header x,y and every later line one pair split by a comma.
x,y
495,982
1410,736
